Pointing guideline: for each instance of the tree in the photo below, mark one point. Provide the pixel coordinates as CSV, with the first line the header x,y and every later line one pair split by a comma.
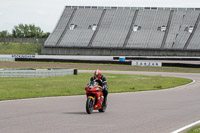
x,y
28,31
4,34
45,35
25,31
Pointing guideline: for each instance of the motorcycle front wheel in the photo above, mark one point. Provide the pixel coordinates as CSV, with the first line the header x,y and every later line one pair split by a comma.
x,y
89,106
103,109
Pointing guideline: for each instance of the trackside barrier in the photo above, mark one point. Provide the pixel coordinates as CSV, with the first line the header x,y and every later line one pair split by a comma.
x,y
74,61
158,64
7,59
36,72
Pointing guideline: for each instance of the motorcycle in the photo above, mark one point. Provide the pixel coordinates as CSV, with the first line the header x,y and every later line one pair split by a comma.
x,y
95,98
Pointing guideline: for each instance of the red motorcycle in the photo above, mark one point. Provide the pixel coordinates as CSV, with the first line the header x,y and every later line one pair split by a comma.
x,y
94,98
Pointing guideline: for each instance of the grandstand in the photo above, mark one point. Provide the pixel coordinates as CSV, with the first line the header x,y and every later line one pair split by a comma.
x,y
148,31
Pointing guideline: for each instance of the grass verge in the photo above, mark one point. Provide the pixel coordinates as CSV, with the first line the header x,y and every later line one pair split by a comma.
x,y
195,129
18,88
20,48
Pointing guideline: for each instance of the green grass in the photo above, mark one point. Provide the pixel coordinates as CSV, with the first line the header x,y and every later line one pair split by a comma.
x,y
195,129
17,88
20,48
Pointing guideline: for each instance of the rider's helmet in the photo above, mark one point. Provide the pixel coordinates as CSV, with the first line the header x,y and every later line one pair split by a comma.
x,y
97,74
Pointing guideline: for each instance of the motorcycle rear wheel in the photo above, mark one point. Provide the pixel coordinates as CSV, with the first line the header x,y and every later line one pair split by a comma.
x,y
89,106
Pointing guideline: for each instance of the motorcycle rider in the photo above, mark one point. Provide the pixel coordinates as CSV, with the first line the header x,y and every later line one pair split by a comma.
x,y
101,79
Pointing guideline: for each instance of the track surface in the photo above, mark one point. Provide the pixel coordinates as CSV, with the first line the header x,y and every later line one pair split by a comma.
x,y
140,112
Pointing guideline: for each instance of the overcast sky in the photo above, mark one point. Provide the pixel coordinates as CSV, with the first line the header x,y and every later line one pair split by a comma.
x,y
45,13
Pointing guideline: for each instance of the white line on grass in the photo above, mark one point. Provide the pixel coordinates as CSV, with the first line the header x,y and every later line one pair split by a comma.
x,y
186,127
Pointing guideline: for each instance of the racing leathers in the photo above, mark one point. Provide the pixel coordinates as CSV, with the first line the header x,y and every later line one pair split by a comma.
x,y
102,82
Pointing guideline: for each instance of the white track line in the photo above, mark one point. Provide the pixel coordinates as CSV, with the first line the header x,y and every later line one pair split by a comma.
x,y
193,81
186,127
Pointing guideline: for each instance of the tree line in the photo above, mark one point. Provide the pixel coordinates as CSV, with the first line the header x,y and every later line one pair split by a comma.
x,y
24,31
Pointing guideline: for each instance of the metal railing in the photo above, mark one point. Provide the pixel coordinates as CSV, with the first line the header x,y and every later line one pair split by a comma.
x,y
7,59
36,72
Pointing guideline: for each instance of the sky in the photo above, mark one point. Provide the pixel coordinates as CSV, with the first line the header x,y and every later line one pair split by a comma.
x,y
46,13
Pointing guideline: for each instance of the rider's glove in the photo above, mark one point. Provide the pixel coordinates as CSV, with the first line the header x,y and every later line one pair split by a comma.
x,y
105,87
102,88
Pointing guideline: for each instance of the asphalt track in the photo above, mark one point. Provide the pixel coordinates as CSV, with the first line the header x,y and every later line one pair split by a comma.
x,y
160,111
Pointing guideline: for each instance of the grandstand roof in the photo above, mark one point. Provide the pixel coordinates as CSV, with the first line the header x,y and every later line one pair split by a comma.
x,y
151,3
140,8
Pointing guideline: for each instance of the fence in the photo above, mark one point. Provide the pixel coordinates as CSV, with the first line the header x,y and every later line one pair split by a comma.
x,y
7,59
23,40
36,72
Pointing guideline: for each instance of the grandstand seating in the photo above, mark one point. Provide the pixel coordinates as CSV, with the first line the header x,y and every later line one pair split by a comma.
x,y
55,35
176,21
189,19
81,35
115,28
195,41
149,36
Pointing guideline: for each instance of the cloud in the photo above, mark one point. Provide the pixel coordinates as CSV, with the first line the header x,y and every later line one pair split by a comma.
x,y
41,12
